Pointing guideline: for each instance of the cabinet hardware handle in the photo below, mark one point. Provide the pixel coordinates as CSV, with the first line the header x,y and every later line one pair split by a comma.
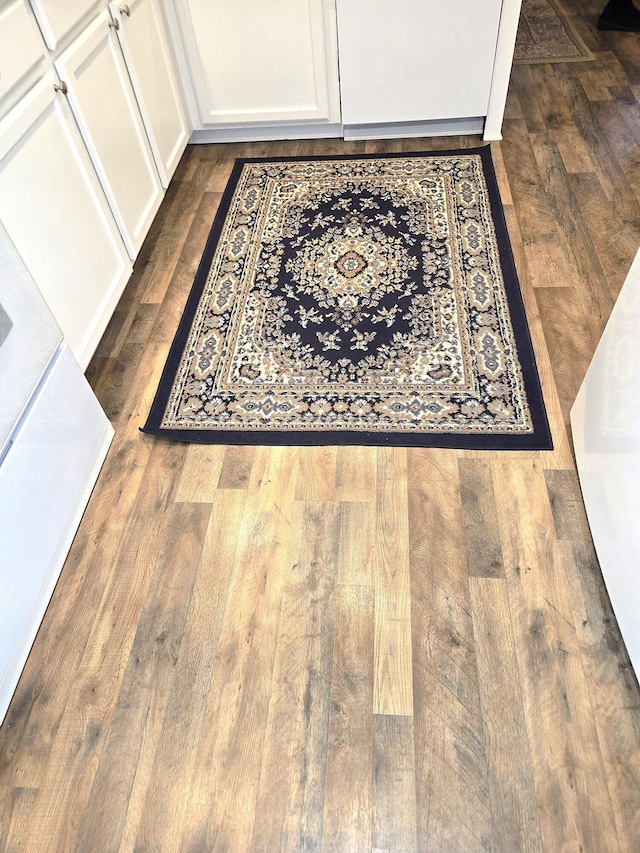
x,y
114,25
61,87
125,10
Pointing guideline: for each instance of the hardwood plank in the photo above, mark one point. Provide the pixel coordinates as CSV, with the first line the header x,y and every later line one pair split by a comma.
x,y
236,467
574,152
573,800
562,454
384,146
524,89
348,804
597,78
391,564
556,111
392,657
619,120
572,227
453,809
627,54
480,520
142,323
114,384
187,211
612,682
317,474
501,175
393,692
394,784
290,800
177,286
598,142
510,778
615,242
117,327
357,544
356,474
156,809
136,723
201,473
562,308
15,810
565,500
549,257
222,802
137,403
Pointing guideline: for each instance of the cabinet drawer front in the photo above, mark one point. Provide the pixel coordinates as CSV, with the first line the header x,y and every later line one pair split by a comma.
x,y
20,46
57,18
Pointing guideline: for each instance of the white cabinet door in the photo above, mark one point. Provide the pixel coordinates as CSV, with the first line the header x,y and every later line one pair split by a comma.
x,y
57,18
21,52
55,212
267,62
146,51
104,104
416,60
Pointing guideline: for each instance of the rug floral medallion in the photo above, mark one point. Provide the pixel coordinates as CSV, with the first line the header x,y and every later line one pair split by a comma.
x,y
356,300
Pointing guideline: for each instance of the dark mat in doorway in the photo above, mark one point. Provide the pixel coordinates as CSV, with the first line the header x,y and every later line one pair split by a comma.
x,y
546,34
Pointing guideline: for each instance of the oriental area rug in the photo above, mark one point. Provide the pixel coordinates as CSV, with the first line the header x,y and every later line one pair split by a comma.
x,y
546,34
356,300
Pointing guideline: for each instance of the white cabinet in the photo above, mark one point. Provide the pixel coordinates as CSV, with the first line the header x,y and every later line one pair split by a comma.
x,y
46,479
59,18
83,169
353,68
261,63
146,50
605,423
105,107
53,438
416,60
21,52
55,212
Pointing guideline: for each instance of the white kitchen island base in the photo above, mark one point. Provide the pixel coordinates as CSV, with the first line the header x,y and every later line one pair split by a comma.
x,y
605,421
46,479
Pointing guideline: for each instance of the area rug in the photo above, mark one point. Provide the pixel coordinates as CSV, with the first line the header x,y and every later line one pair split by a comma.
x,y
546,34
356,300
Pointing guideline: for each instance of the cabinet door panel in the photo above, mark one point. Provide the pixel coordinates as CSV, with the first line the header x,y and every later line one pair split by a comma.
x,y
416,60
105,107
262,62
149,62
58,17
21,52
54,210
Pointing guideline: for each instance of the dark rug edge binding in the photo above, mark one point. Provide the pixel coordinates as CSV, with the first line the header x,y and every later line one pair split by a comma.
x,y
540,439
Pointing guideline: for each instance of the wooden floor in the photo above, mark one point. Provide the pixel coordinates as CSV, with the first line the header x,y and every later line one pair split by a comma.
x,y
341,649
